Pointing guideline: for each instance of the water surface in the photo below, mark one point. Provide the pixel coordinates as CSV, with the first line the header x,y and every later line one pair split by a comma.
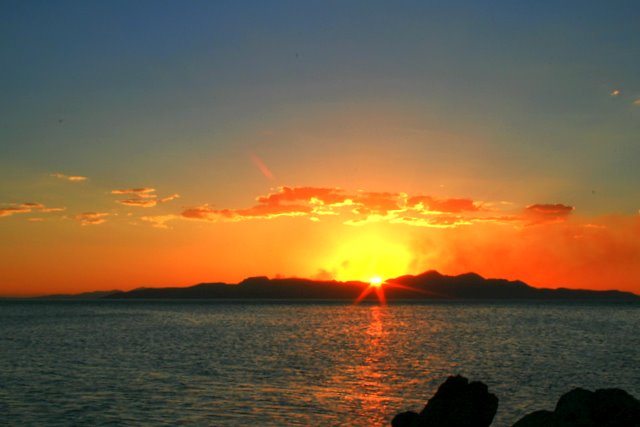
x,y
298,364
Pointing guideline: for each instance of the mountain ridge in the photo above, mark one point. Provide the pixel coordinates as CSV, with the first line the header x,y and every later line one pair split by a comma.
x,y
430,285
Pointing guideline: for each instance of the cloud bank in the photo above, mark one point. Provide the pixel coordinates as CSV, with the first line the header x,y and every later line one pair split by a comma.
x,y
362,207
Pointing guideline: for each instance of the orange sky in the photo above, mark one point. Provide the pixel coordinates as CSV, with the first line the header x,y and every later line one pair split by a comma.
x,y
146,145
314,232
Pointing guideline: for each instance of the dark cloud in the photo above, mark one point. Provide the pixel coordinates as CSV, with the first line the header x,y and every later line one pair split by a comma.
x,y
546,213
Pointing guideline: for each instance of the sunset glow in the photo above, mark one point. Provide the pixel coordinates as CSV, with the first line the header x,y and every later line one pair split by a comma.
x,y
308,213
376,281
227,150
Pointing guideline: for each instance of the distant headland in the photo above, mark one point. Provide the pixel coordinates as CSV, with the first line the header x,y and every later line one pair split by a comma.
x,y
430,285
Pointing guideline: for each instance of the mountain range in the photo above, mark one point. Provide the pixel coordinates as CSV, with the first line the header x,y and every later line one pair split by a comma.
x,y
426,286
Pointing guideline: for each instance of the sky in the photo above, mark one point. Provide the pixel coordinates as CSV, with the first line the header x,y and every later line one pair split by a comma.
x,y
168,143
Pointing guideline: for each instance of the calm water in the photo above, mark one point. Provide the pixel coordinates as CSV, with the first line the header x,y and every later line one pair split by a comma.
x,y
292,364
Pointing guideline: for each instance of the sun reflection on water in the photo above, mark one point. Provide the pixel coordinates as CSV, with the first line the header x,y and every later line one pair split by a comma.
x,y
371,388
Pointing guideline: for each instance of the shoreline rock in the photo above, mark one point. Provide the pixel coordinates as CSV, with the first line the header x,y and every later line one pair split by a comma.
x,y
460,403
611,407
457,402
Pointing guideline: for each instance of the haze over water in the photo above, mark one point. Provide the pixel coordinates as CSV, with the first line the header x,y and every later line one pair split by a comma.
x,y
298,364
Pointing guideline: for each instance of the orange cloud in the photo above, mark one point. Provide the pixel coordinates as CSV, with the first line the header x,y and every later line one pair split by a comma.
x,y
46,210
169,198
26,208
144,197
434,222
141,202
588,253
12,210
367,206
74,178
376,203
32,205
359,208
260,211
428,203
92,218
324,196
160,221
140,192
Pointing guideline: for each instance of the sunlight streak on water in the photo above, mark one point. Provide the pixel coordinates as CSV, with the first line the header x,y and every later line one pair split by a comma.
x,y
272,364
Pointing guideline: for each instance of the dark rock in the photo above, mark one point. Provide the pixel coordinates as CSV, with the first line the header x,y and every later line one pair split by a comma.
x,y
457,403
574,407
616,407
405,419
460,403
583,408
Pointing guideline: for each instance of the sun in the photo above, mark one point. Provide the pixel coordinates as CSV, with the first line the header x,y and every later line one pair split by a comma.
x,y
376,281
367,254
375,286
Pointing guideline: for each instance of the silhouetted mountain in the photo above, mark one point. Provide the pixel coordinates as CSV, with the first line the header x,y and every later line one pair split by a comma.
x,y
429,285
84,295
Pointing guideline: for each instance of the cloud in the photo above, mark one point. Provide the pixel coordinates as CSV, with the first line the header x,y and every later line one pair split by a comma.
x,y
27,207
32,205
12,210
366,207
143,197
318,195
547,213
371,203
92,218
140,202
160,221
140,192
581,252
169,198
359,207
74,178
431,204
287,201
433,222
208,213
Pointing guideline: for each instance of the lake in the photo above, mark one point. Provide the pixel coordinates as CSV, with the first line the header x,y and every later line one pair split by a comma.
x,y
298,364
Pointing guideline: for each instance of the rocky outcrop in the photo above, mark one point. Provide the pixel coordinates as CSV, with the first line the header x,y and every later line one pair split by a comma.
x,y
460,403
583,408
457,403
